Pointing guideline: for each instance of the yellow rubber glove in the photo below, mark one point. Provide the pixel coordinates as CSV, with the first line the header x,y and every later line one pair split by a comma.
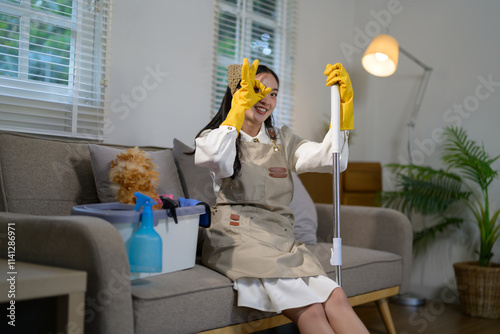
x,y
251,92
336,74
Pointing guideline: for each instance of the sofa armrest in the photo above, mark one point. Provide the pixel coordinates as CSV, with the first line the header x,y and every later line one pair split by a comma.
x,y
371,227
83,243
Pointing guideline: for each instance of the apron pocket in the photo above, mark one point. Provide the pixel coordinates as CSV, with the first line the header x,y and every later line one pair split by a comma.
x,y
272,231
225,229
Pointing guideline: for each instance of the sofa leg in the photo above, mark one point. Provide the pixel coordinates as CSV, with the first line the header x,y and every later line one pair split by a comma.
x,y
385,312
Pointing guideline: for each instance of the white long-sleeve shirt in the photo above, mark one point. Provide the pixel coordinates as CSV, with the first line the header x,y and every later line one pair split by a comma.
x,y
216,150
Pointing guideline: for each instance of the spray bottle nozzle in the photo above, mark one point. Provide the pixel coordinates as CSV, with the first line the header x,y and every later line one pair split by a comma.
x,y
142,200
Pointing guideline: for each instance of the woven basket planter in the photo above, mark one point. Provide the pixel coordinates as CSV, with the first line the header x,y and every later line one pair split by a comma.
x,y
478,289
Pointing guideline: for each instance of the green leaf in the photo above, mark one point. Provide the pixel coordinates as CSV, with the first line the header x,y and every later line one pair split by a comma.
x,y
466,155
430,232
423,190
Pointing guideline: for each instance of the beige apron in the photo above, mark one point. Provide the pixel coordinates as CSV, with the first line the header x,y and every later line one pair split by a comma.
x,y
252,224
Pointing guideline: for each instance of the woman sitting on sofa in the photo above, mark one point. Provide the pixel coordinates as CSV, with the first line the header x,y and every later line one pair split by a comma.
x,y
251,240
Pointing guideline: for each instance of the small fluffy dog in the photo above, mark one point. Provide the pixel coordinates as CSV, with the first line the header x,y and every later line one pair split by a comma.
x,y
133,171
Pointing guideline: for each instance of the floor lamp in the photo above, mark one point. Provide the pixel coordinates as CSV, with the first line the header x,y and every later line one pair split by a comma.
x,y
381,59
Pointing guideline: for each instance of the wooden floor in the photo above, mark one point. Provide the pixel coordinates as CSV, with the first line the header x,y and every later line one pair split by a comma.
x,y
434,317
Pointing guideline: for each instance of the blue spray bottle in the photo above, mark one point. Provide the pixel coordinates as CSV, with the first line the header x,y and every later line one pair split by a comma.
x,y
145,246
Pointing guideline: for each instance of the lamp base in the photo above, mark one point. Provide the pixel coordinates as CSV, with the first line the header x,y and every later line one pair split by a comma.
x,y
408,299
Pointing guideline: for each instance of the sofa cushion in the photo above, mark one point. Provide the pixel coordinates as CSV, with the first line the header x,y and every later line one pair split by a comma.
x,y
199,294
384,269
196,181
43,176
101,157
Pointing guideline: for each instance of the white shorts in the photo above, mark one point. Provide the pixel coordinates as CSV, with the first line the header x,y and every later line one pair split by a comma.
x,y
278,294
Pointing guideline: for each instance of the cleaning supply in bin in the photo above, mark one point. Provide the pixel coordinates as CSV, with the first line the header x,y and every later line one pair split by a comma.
x,y
145,248
171,205
205,219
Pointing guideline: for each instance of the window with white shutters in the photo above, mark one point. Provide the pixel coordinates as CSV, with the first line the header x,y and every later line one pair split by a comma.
x,y
53,66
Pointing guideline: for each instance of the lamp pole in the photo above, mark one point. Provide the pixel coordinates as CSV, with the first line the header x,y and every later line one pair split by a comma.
x,y
418,100
410,299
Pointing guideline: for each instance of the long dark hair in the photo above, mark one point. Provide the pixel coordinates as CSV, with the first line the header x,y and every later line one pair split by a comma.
x,y
224,109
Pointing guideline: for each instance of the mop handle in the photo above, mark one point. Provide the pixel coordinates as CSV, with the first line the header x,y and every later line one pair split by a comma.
x,y
336,253
335,118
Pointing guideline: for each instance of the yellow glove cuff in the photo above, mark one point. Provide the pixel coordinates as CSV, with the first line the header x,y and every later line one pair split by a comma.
x,y
235,117
346,116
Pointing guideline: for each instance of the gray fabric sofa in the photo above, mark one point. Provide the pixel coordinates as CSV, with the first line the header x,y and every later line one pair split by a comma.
x,y
41,179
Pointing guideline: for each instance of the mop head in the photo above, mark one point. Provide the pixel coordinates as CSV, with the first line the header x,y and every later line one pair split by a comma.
x,y
133,171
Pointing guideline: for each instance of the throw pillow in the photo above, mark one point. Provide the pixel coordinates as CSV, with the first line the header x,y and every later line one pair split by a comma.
x,y
196,181
306,217
101,157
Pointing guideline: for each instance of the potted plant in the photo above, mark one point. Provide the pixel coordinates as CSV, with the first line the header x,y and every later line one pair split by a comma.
x,y
431,192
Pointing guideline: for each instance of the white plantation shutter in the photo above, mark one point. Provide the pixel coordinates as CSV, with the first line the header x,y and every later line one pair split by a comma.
x,y
53,66
256,29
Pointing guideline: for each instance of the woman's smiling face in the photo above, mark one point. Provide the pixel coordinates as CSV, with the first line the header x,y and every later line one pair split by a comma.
x,y
263,109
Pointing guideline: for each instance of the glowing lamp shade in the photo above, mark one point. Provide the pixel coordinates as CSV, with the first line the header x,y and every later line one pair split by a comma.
x,y
381,56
